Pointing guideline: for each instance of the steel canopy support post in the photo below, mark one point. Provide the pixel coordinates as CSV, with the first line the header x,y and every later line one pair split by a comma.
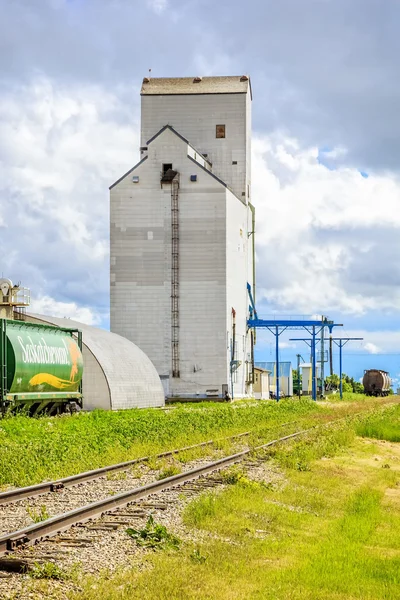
x,y
340,369
277,361
298,375
322,362
313,366
340,342
278,326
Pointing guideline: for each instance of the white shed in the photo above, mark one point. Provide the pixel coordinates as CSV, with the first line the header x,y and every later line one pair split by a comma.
x,y
306,371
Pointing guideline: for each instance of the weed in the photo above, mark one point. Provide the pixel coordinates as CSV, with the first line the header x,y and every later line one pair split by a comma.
x,y
154,463
38,515
47,570
197,557
116,476
232,475
169,471
383,426
154,536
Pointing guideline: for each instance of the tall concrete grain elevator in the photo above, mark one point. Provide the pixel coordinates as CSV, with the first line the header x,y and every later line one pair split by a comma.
x,y
182,236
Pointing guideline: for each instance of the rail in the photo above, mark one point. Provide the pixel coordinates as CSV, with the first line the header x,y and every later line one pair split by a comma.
x,y
53,486
36,532
50,527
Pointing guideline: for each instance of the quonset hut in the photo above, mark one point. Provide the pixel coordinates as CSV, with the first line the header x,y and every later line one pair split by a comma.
x,y
182,236
117,374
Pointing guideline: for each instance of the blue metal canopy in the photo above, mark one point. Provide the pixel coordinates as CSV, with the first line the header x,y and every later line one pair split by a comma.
x,y
278,326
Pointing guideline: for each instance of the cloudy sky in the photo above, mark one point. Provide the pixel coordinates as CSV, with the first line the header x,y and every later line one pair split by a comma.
x,y
326,148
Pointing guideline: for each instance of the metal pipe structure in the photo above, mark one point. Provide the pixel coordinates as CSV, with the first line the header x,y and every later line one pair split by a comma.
x,y
278,326
340,342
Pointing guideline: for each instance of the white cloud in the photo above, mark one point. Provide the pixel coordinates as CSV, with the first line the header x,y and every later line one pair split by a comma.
x,y
158,6
45,305
322,235
372,348
60,149
374,342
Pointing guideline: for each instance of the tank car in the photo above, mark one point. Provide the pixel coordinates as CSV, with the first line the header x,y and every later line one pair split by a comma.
x,y
376,382
41,367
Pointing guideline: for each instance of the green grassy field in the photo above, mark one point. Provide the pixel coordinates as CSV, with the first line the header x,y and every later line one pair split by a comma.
x,y
382,427
36,449
44,448
324,524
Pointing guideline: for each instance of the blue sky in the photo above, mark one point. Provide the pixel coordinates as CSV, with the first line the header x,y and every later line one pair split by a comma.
x,y
325,158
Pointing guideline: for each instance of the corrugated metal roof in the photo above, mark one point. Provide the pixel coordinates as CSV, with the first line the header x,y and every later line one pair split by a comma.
x,y
195,85
285,368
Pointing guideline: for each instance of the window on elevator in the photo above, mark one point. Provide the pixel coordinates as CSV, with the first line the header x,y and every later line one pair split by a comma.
x,y
166,167
220,131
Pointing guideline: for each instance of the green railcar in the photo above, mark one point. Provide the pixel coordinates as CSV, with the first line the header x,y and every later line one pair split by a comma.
x,y
41,367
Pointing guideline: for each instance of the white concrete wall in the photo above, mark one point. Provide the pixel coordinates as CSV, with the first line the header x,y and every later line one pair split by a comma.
x,y
215,253
141,267
195,117
237,275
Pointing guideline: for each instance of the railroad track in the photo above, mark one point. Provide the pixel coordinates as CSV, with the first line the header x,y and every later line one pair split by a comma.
x,y
55,525
18,541
58,484
70,493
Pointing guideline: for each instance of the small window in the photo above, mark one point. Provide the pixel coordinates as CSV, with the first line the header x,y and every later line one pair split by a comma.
x,y
220,131
166,167
234,162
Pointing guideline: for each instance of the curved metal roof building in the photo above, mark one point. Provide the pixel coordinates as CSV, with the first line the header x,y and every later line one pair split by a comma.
x,y
117,374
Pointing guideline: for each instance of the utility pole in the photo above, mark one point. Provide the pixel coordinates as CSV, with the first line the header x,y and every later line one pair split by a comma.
x,y
314,365
322,362
340,342
330,356
277,379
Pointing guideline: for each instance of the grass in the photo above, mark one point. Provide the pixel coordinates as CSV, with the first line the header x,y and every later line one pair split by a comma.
x,y
324,525
169,471
47,570
38,515
154,536
35,449
382,427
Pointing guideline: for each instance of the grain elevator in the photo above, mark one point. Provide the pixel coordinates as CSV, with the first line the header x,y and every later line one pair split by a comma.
x,y
182,236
